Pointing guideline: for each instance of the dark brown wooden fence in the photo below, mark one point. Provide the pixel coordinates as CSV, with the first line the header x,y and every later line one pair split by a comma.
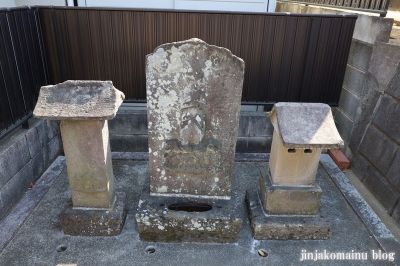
x,y
22,65
288,57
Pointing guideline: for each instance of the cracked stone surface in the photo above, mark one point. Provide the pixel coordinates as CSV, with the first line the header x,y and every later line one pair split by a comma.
x,y
193,101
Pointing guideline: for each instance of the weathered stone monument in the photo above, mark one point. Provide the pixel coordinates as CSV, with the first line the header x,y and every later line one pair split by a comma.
x,y
287,204
193,102
84,108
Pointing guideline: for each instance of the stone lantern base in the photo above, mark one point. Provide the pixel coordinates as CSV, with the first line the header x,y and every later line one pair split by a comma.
x,y
286,212
183,219
297,200
94,222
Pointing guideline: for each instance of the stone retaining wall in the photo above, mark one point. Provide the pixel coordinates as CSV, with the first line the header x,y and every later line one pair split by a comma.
x,y
24,156
128,132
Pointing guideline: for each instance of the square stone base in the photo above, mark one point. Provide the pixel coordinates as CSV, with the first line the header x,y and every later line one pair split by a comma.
x,y
299,200
94,222
284,227
164,219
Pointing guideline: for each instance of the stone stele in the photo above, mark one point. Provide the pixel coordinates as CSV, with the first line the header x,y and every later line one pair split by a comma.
x,y
193,101
84,108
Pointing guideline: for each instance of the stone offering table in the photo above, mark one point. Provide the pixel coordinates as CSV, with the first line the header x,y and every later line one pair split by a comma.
x,y
84,108
288,192
193,102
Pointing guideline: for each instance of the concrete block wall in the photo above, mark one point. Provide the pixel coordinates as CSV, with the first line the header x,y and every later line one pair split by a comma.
x,y
128,132
24,156
375,139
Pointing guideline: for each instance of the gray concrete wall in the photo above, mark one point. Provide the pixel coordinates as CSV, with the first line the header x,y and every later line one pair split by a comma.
x,y
368,116
128,132
375,139
24,156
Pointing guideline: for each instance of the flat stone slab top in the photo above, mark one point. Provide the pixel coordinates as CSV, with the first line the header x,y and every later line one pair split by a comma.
x,y
193,101
305,125
79,100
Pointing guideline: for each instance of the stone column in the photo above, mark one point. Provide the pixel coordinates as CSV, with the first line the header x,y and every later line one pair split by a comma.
x,y
84,108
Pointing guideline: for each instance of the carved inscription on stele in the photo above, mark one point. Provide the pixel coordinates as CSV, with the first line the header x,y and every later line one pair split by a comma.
x,y
201,159
193,103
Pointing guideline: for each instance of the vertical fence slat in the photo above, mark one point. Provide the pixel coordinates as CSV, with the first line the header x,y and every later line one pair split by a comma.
x,y
22,66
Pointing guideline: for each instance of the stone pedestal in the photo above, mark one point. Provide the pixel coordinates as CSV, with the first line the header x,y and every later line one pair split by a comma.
x,y
84,108
288,190
193,103
188,219
288,199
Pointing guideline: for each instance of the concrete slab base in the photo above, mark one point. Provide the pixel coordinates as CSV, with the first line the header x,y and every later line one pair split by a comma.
x,y
94,222
298,200
284,227
354,228
183,219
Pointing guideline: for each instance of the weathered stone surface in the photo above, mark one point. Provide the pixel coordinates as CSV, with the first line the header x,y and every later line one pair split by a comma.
x,y
271,227
372,93
193,95
371,29
392,127
393,175
386,195
13,190
259,144
46,156
94,222
129,143
88,155
384,61
260,126
354,80
292,167
344,124
396,214
129,122
360,166
387,117
289,199
359,55
305,125
79,100
158,221
349,103
379,149
394,84
16,147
